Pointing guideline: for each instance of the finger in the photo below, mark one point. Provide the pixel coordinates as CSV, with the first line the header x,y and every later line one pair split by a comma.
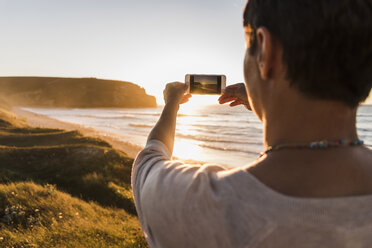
x,y
230,92
235,103
235,89
188,96
186,87
233,86
175,84
184,100
227,99
223,97
180,85
175,87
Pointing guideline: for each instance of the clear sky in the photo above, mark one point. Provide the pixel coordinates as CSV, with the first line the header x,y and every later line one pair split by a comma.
x,y
148,42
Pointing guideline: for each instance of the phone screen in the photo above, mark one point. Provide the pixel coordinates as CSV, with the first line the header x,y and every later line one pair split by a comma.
x,y
205,84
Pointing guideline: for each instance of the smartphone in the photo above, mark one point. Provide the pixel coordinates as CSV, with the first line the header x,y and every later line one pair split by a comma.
x,y
202,84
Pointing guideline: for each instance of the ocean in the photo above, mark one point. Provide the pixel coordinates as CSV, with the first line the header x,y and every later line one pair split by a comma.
x,y
209,133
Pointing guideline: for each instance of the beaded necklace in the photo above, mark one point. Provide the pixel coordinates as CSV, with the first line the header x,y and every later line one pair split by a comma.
x,y
324,144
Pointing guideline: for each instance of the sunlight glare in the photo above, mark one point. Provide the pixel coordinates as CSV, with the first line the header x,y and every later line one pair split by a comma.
x,y
196,101
184,148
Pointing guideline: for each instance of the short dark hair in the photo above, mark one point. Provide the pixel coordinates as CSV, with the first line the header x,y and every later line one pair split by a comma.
x,y
327,44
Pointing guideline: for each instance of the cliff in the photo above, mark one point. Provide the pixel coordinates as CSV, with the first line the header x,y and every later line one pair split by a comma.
x,y
73,93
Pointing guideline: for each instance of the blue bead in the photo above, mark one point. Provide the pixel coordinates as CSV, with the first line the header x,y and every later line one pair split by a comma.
x,y
358,142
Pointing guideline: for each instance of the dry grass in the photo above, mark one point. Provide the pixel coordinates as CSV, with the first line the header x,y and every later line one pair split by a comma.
x,y
41,216
61,189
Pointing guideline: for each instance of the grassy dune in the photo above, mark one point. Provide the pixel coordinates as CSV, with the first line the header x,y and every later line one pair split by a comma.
x,y
61,189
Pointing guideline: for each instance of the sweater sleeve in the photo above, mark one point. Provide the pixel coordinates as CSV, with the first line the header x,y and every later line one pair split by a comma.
x,y
169,193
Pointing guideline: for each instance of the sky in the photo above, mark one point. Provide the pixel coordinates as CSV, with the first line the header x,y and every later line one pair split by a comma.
x,y
147,42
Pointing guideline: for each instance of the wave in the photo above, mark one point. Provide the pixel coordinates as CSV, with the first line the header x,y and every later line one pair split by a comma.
x,y
216,139
141,125
229,149
189,115
209,126
222,131
141,113
232,149
363,130
365,115
224,113
112,117
137,115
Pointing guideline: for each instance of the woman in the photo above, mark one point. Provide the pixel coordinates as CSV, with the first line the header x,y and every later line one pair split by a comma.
x,y
307,68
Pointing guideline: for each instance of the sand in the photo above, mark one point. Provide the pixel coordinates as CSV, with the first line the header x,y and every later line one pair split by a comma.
x,y
42,121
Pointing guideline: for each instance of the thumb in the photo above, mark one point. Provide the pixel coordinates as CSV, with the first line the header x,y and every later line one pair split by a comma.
x,y
185,87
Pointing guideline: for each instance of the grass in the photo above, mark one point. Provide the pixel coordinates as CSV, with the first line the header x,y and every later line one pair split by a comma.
x,y
42,216
61,189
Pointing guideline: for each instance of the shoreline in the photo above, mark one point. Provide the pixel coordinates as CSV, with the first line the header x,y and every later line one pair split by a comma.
x,y
43,121
37,120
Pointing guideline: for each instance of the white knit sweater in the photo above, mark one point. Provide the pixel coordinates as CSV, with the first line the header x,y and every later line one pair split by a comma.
x,y
183,205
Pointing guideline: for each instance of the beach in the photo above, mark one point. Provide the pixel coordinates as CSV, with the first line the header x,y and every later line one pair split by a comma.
x,y
42,121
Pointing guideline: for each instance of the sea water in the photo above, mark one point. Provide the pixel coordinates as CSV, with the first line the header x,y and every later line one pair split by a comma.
x,y
210,133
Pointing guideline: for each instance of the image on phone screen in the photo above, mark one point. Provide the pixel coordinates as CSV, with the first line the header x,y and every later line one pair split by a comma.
x,y
205,84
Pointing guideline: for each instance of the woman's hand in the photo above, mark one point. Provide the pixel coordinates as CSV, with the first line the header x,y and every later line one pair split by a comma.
x,y
236,94
174,93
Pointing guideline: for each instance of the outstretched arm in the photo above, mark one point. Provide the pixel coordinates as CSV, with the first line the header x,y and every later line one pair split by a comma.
x,y
164,130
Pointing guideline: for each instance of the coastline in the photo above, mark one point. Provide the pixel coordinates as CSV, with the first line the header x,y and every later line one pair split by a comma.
x,y
42,121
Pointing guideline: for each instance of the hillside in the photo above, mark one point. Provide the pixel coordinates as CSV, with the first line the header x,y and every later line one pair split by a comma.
x,y
73,93
61,189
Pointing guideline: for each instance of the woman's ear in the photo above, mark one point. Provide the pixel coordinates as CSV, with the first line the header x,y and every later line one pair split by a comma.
x,y
265,52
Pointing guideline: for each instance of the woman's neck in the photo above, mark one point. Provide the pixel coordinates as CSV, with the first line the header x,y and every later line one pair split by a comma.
x,y
308,121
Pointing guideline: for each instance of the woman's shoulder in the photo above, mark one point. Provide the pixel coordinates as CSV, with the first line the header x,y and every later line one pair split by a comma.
x,y
320,174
